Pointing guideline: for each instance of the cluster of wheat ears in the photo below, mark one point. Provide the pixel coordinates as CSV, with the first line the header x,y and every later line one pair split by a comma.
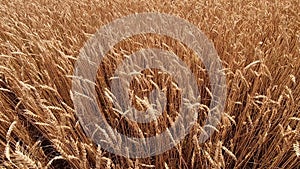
x,y
257,41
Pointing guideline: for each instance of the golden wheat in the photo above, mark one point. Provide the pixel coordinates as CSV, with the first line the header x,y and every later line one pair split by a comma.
x,y
257,41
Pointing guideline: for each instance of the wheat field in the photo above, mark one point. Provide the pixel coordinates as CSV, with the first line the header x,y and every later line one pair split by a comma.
x,y
257,41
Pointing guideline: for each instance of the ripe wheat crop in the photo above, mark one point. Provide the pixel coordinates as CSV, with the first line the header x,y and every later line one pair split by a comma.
x,y
257,41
